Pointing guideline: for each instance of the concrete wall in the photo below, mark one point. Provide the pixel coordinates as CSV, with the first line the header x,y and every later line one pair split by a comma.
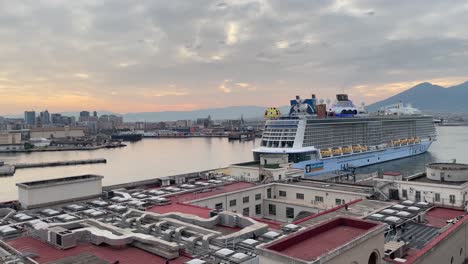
x,y
307,204
252,174
33,197
453,245
329,196
458,173
428,192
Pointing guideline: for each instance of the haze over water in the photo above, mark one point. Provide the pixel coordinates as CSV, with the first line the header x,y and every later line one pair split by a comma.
x,y
152,158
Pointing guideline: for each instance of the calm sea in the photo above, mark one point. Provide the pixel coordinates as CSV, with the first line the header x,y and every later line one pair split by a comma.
x,y
151,158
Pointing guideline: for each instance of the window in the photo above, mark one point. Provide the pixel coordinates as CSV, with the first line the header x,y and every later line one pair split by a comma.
x,y
338,201
233,203
219,206
437,197
272,209
289,212
404,193
258,209
319,199
282,193
452,199
258,196
245,199
269,193
417,196
300,196
246,211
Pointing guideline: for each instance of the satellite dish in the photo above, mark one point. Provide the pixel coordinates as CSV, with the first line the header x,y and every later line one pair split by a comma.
x,y
321,101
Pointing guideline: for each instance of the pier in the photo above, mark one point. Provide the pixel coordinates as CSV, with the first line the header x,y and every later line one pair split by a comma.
x,y
9,169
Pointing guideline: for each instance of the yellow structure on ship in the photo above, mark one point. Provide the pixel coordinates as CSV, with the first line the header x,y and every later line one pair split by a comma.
x,y
272,113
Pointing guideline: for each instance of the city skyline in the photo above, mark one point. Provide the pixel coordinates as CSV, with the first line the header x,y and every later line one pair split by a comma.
x,y
163,56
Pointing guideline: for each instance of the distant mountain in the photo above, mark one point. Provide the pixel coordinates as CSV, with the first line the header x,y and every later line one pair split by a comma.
x,y
430,98
232,112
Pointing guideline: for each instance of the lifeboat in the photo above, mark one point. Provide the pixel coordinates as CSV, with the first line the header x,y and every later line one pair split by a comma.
x,y
404,141
337,151
325,153
411,140
356,148
417,140
396,142
364,148
347,150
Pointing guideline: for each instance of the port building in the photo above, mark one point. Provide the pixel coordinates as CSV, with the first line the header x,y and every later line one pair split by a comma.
x,y
44,192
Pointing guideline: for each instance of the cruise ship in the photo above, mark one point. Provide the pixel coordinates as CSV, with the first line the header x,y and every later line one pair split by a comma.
x,y
321,138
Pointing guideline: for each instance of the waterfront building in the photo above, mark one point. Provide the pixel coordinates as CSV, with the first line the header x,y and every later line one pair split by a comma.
x,y
57,132
10,141
30,118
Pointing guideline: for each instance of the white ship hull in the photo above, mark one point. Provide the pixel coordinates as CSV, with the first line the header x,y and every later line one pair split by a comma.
x,y
333,164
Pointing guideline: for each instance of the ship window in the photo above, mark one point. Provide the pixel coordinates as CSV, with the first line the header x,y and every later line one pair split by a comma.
x,y
404,193
300,196
437,197
319,199
258,196
245,199
282,193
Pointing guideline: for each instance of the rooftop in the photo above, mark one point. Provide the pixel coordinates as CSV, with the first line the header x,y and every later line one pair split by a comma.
x,y
438,217
334,186
322,239
125,255
424,179
358,208
178,201
64,180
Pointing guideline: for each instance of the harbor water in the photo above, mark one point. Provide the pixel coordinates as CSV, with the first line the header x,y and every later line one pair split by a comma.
x,y
152,158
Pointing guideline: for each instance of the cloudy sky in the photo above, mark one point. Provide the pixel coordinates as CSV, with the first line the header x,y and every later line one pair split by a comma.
x,y
137,55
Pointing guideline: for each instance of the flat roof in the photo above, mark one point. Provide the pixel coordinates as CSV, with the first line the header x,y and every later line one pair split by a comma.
x,y
424,179
127,254
358,209
438,216
321,239
179,201
333,186
59,181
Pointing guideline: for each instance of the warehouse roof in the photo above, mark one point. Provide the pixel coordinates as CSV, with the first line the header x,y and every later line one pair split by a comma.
x,y
58,181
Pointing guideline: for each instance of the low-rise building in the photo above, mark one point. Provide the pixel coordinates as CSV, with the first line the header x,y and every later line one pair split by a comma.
x,y
443,184
57,132
10,141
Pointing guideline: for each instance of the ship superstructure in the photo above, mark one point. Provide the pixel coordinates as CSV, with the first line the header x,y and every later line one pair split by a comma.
x,y
322,139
